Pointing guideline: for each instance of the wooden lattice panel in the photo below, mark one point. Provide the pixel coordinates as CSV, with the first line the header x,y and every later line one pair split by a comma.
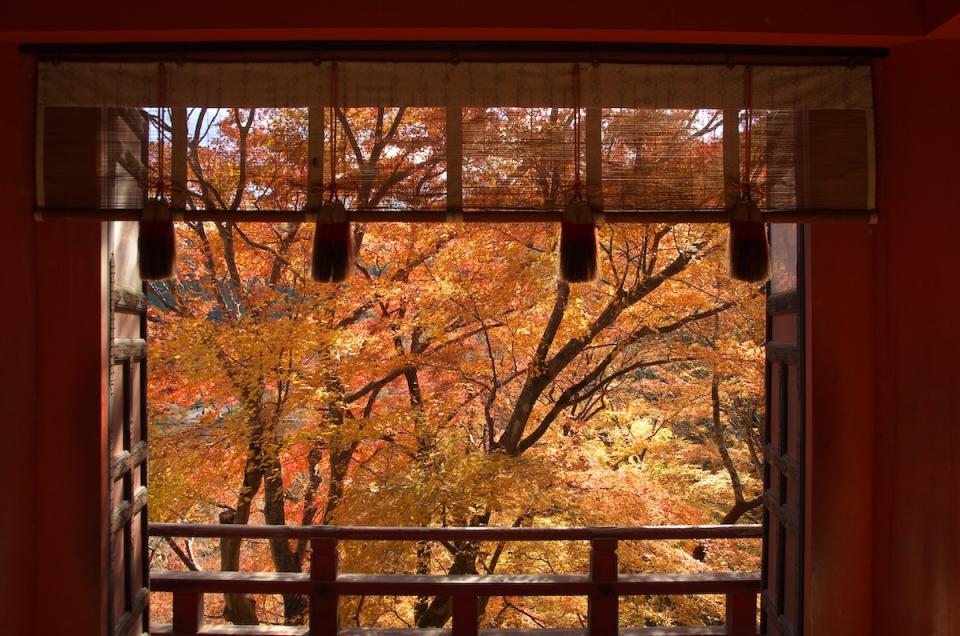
x,y
783,439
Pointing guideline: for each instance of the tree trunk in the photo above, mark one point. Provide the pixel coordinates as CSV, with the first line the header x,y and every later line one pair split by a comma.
x,y
422,604
721,443
440,609
239,609
285,558
741,505
739,509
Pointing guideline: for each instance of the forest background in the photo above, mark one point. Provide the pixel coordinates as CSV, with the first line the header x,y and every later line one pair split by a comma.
x,y
453,381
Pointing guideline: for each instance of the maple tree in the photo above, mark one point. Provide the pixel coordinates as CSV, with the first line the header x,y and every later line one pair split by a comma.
x,y
453,380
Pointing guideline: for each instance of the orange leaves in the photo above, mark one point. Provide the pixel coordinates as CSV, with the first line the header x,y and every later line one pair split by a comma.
x,y
385,400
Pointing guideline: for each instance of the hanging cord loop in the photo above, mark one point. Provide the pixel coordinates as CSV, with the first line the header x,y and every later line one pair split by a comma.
x,y
577,128
161,99
745,182
334,123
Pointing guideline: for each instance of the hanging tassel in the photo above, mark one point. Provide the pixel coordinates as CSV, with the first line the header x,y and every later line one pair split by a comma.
x,y
578,228
749,249
157,238
157,241
332,244
578,243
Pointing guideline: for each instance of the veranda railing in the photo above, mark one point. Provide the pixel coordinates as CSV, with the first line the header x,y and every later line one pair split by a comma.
x,y
324,584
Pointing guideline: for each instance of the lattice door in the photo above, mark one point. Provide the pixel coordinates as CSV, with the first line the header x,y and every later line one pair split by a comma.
x,y
127,430
782,599
127,439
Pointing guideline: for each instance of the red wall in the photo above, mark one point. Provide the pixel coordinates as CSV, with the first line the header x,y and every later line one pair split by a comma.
x,y
937,12
863,17
839,519
53,512
917,468
884,436
883,552
18,505
71,460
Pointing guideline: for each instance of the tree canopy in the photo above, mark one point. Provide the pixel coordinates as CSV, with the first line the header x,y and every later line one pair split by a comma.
x,y
452,380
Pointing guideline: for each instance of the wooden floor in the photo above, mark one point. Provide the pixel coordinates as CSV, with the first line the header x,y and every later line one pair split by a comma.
x,y
281,630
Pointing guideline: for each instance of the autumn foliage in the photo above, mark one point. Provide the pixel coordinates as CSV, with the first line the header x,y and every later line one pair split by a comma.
x,y
452,380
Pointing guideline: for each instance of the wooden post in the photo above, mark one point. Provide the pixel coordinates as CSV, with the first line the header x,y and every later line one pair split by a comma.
x,y
465,615
603,606
741,614
324,602
187,613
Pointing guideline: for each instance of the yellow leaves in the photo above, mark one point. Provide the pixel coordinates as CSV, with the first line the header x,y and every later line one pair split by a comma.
x,y
415,366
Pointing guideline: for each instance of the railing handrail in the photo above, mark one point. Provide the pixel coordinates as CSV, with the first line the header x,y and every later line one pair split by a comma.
x,y
384,533
324,583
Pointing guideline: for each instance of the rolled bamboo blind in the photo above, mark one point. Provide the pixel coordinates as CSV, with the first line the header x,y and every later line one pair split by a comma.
x,y
435,141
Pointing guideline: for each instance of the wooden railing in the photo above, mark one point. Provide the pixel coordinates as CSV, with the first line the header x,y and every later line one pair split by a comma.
x,y
324,584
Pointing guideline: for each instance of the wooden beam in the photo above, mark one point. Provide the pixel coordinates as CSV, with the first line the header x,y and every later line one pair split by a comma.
x,y
376,533
296,630
786,514
216,581
786,464
126,510
688,583
464,584
128,349
126,299
452,585
787,302
129,624
786,352
126,460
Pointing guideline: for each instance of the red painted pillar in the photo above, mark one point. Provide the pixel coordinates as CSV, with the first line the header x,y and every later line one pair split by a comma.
x,y
53,520
916,476
19,550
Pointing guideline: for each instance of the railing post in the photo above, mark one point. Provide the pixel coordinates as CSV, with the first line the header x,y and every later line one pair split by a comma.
x,y
741,614
187,613
324,602
465,615
603,606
